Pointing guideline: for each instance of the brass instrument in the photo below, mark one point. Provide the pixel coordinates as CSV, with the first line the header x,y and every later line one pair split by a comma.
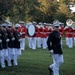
x,y
69,22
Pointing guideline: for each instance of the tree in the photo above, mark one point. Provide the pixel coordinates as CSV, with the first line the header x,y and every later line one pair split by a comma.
x,y
5,6
48,9
25,10
62,13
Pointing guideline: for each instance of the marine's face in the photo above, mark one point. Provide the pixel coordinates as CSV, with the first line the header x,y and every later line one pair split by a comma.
x,y
56,28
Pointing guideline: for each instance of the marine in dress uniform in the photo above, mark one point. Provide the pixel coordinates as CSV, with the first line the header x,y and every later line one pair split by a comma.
x,y
23,31
39,40
29,37
54,47
16,44
44,38
69,36
34,37
5,41
69,33
37,35
1,52
61,29
11,38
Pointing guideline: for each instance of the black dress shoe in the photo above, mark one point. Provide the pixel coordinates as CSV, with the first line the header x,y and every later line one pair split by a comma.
x,y
12,61
6,62
50,70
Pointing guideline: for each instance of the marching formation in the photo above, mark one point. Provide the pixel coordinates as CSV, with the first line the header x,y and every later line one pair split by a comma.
x,y
9,44
13,38
38,39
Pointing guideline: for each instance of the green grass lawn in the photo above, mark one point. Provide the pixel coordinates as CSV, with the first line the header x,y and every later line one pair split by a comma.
x,y
36,62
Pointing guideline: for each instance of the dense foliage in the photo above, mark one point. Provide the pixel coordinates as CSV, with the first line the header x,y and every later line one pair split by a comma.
x,y
36,10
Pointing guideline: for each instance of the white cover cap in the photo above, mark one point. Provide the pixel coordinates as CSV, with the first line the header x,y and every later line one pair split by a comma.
x,y
17,25
4,24
10,24
56,23
21,22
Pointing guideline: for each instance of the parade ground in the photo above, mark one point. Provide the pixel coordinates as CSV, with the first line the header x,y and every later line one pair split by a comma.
x,y
36,62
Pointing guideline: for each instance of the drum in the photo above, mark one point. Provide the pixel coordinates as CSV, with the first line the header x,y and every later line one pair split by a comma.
x,y
31,30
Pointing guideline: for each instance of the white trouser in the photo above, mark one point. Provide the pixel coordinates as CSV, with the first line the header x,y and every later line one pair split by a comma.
x,y
34,43
66,41
39,42
57,61
2,59
11,52
69,42
30,42
13,55
6,56
18,52
44,43
22,43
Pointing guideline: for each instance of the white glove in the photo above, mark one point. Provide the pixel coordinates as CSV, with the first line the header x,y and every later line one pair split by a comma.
x,y
19,39
0,40
51,51
13,39
21,33
7,40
